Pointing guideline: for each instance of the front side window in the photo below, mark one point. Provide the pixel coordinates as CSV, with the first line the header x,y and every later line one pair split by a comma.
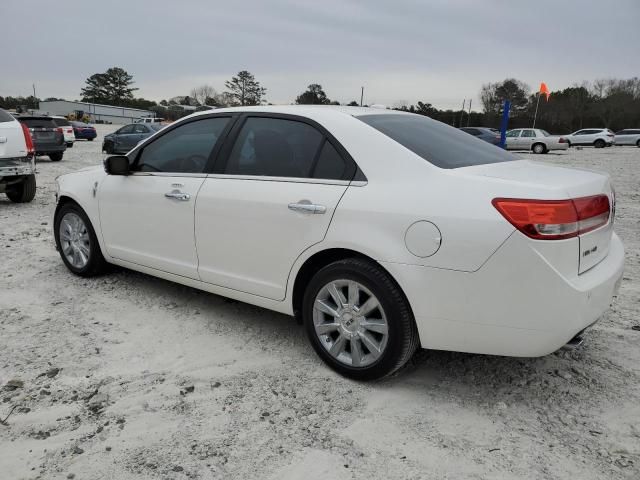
x,y
274,147
125,130
513,133
139,128
185,149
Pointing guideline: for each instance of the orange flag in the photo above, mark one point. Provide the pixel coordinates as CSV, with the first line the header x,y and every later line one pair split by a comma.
x,y
544,89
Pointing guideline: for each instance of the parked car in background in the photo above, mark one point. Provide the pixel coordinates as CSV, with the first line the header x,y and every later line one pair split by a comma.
x,y
596,137
83,131
368,225
629,136
127,137
48,138
17,164
67,130
150,120
534,140
490,135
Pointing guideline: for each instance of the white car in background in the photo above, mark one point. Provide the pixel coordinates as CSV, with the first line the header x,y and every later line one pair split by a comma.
x,y
381,231
534,140
596,137
17,160
67,130
629,136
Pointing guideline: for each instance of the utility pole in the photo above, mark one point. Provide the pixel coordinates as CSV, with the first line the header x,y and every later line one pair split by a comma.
x,y
469,115
464,100
361,95
34,95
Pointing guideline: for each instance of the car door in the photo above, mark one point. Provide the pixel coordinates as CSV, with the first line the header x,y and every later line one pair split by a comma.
x,y
512,139
277,185
123,141
527,137
147,217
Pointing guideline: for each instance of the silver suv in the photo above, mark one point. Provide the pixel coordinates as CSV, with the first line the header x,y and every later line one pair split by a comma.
x,y
17,160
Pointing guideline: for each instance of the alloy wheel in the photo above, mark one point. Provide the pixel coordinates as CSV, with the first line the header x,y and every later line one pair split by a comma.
x,y
350,323
74,240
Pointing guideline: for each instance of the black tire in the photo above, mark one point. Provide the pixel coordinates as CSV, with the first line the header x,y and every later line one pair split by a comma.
x,y
638,144
24,191
402,339
70,145
599,143
90,139
568,144
56,157
539,148
108,148
96,264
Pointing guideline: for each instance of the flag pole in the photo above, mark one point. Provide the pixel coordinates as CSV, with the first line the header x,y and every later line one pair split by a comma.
x,y
535,115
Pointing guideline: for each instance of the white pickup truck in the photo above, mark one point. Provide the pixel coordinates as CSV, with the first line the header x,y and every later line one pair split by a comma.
x,y
17,160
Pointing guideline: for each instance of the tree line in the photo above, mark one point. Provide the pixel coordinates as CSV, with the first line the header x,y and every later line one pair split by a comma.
x,y
612,103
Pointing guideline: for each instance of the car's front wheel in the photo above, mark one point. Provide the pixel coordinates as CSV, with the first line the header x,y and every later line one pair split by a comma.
x,y
77,242
358,320
24,191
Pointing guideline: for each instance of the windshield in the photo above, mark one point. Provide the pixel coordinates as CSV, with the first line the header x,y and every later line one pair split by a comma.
x,y
436,142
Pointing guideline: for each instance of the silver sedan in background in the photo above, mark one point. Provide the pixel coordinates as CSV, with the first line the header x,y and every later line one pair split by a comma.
x,y
534,140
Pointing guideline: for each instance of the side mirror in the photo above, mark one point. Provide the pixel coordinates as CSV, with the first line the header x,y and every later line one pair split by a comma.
x,y
117,165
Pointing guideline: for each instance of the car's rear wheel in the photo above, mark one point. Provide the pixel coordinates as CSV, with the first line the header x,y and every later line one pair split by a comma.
x,y
638,144
90,139
358,320
56,157
77,242
70,145
539,148
24,191
599,143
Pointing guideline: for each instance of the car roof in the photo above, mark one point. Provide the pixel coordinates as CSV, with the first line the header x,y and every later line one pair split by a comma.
x,y
310,111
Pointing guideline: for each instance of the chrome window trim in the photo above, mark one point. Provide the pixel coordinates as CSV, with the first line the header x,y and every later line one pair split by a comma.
x,y
167,174
279,179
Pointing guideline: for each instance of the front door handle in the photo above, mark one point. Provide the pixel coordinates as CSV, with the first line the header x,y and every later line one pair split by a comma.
x,y
307,207
178,195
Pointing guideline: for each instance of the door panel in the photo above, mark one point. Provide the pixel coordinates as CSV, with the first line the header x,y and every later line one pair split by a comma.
x,y
142,225
248,237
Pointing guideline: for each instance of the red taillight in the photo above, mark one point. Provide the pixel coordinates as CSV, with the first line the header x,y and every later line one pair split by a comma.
x,y
27,139
562,140
59,129
555,219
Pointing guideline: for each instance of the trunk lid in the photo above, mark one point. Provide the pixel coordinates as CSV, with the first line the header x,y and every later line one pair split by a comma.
x,y
552,182
12,144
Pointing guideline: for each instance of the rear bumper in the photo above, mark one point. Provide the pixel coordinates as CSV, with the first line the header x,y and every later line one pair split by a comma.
x,y
514,305
86,135
47,149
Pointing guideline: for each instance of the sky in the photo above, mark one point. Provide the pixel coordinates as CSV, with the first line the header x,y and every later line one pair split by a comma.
x,y
400,51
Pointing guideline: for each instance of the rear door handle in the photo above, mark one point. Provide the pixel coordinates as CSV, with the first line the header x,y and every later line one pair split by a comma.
x,y
307,207
178,195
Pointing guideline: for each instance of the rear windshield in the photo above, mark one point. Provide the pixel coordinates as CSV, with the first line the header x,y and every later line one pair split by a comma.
x,y
155,126
436,142
61,122
38,122
5,117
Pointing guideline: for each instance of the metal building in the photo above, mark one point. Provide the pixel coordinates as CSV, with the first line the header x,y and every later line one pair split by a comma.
x,y
95,111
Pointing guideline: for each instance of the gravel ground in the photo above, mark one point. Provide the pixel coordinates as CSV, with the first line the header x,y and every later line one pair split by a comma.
x,y
128,376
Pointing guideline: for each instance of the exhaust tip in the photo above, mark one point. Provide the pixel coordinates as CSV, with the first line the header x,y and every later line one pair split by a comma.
x,y
575,342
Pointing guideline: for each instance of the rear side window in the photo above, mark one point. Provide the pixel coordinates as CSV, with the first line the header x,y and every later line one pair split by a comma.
x,y
528,133
5,117
185,149
274,147
125,130
330,163
38,122
436,142
61,122
139,128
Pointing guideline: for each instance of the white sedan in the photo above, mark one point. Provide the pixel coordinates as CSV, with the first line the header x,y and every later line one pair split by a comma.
x,y
535,140
381,231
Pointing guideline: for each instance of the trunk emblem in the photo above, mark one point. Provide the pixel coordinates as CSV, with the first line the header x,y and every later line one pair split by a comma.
x,y
586,253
